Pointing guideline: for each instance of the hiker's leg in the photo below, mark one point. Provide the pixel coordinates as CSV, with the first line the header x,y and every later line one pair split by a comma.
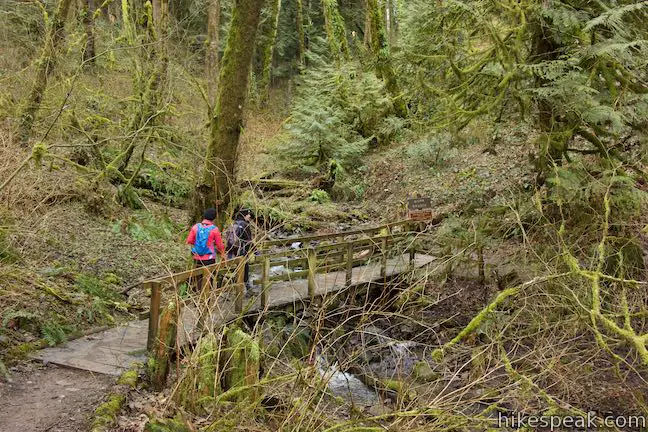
x,y
199,278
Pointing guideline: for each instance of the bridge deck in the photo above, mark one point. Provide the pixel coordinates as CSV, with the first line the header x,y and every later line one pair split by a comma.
x,y
114,350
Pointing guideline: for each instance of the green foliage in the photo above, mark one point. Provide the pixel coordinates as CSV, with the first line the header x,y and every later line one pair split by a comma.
x,y
20,318
145,226
337,113
168,183
93,286
55,333
578,65
433,151
581,197
319,196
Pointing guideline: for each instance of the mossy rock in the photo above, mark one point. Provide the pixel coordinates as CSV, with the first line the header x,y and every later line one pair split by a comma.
x,y
423,372
166,425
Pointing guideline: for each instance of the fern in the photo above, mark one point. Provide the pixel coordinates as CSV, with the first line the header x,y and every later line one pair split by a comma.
x,y
54,334
22,316
614,18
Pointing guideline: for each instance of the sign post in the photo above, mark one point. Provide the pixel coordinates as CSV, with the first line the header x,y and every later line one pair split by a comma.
x,y
419,209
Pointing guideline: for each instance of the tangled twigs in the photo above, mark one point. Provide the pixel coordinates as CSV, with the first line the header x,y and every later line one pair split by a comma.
x,y
438,353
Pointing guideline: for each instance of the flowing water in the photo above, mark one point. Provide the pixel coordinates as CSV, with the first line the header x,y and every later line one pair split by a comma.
x,y
346,385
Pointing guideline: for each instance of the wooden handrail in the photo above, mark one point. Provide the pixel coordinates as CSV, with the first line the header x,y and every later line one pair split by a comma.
x,y
177,278
306,239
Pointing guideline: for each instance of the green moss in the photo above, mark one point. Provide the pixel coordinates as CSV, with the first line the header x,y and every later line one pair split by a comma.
x,y
208,366
243,365
106,414
394,385
21,351
112,278
128,378
166,425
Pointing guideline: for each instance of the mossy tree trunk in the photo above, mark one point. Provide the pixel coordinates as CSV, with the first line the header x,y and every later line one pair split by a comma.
x,y
149,79
384,66
216,189
301,42
211,58
88,24
545,49
44,68
367,27
335,31
268,51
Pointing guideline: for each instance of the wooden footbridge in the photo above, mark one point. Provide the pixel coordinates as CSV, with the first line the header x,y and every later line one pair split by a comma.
x,y
293,271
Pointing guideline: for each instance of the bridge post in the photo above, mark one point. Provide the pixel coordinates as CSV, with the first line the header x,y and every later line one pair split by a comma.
x,y
383,257
265,282
205,295
312,271
154,312
412,247
240,286
349,264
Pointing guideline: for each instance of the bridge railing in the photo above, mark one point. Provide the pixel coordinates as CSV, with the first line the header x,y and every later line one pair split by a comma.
x,y
331,253
335,237
319,254
222,275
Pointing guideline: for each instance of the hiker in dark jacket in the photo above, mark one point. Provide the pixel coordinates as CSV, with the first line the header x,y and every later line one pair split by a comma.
x,y
239,240
205,240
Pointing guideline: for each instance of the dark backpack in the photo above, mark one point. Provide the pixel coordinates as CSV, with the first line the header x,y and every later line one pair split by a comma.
x,y
233,238
200,246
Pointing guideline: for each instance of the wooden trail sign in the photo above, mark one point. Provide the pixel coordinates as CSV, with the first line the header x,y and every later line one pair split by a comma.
x,y
419,209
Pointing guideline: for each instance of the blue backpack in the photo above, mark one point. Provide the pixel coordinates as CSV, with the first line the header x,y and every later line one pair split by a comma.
x,y
202,235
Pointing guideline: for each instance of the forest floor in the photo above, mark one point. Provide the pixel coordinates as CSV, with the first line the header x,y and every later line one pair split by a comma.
x,y
47,398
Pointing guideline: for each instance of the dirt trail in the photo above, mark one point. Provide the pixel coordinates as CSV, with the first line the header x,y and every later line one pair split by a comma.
x,y
50,399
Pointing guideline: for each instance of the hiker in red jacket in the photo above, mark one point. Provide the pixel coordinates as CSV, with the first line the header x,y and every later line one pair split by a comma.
x,y
206,240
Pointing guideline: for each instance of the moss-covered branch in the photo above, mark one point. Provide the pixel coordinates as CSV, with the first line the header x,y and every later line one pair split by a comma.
x,y
481,316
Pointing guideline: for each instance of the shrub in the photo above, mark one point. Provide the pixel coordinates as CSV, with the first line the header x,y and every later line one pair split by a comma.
x,y
319,196
432,152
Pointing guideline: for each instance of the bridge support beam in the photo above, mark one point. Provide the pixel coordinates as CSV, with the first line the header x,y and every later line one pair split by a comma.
x,y
349,264
240,287
265,283
312,272
383,258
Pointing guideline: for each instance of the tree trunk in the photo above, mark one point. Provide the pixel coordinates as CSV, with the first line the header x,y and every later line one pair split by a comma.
x,y
367,28
544,49
88,24
211,59
44,68
301,43
388,19
219,173
384,67
335,30
149,79
268,50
